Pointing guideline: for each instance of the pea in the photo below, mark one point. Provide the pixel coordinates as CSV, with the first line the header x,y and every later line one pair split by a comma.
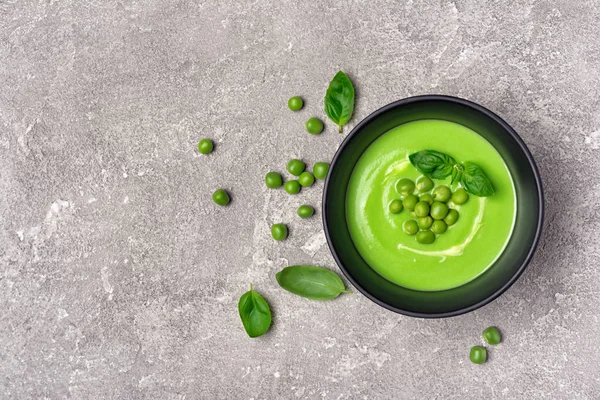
x,y
292,187
320,170
439,210
425,237
492,335
425,222
221,197
460,196
296,167
413,214
478,355
314,126
273,180
426,197
205,146
439,227
410,202
442,193
306,179
295,103
279,231
422,209
405,186
451,218
410,227
424,184
396,206
305,211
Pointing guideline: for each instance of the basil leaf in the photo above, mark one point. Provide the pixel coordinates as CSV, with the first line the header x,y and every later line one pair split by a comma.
x,y
314,283
475,181
255,313
433,163
339,100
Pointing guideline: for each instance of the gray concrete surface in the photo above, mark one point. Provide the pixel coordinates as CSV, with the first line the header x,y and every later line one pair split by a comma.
x,y
120,279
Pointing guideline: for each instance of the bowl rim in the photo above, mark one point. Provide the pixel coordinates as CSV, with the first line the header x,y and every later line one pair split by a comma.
x,y
532,164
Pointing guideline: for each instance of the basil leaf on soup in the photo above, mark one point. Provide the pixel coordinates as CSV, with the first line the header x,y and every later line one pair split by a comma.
x,y
432,163
475,181
315,283
255,313
339,100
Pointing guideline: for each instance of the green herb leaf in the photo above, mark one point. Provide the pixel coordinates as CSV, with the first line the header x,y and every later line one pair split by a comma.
x,y
339,100
433,163
475,181
255,313
457,173
314,283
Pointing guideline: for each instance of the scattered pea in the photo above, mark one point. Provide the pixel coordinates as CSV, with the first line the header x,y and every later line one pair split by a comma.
x,y
314,126
425,222
396,206
296,167
410,202
492,335
306,179
427,198
442,193
273,180
410,227
425,237
478,355
305,211
451,218
221,197
439,210
320,170
279,231
205,146
292,187
424,184
439,227
295,103
460,196
422,209
405,186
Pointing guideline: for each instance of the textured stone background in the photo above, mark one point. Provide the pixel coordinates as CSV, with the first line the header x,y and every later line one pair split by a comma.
x,y
119,278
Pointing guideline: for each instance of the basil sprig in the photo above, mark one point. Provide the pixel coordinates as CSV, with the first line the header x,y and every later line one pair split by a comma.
x,y
315,283
255,313
339,100
438,165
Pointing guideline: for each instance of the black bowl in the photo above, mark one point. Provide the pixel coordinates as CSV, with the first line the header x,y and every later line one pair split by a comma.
x,y
496,279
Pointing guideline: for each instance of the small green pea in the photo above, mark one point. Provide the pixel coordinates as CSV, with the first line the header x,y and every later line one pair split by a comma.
x,y
492,335
405,186
410,202
273,180
305,211
478,354
427,198
422,209
460,196
292,187
424,184
425,237
439,227
221,197
205,146
306,179
396,206
410,227
439,210
314,126
425,222
279,231
451,218
442,193
320,170
296,167
295,103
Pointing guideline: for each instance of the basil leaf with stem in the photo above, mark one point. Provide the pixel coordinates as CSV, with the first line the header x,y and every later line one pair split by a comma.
x,y
432,163
255,313
475,181
457,173
315,283
339,100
